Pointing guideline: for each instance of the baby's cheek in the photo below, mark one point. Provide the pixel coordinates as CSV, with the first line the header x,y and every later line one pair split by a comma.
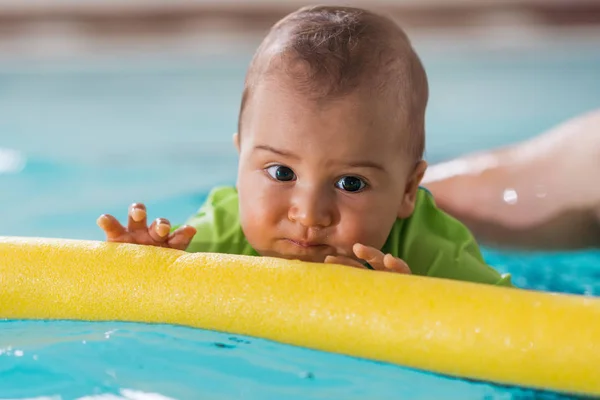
x,y
268,208
352,231
253,229
259,215
368,231
258,218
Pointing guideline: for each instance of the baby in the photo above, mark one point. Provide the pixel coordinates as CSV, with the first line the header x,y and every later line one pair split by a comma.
x,y
330,139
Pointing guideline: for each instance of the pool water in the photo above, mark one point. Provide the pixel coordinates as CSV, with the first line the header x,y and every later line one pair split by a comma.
x,y
78,140
76,360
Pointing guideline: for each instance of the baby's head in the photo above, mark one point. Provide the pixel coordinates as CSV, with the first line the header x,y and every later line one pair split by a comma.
x,y
331,134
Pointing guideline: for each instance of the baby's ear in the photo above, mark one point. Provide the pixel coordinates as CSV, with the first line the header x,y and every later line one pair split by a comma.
x,y
407,206
236,141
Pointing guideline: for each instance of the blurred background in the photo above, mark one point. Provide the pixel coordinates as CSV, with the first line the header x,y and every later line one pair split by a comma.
x,y
106,102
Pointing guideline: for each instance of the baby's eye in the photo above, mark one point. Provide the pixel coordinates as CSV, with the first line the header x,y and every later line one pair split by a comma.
x,y
351,184
281,173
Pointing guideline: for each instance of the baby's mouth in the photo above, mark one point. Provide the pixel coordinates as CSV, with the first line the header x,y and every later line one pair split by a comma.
x,y
306,244
311,251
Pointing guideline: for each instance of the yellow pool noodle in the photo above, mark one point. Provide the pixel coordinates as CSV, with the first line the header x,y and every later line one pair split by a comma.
x,y
508,336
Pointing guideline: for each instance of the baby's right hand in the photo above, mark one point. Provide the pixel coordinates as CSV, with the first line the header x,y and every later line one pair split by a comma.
x,y
137,231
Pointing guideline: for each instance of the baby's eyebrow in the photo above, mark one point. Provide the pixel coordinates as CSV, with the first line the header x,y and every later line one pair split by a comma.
x,y
352,164
276,151
366,164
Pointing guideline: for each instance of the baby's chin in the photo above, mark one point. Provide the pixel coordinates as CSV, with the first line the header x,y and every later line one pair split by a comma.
x,y
295,257
292,250
317,257
312,257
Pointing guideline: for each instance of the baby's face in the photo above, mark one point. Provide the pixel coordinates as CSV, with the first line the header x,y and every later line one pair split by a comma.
x,y
314,179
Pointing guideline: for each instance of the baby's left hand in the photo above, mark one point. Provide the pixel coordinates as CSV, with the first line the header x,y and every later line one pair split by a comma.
x,y
375,258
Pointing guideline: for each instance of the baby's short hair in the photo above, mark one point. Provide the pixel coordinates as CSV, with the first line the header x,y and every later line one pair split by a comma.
x,y
331,51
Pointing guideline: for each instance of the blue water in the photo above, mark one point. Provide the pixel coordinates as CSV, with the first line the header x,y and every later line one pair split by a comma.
x,y
78,140
83,359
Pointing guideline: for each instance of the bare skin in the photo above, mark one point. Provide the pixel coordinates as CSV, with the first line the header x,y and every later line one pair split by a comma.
x,y
540,194
308,215
137,230
157,234
311,216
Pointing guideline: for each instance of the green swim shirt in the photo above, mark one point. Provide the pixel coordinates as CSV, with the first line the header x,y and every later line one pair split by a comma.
x,y
430,241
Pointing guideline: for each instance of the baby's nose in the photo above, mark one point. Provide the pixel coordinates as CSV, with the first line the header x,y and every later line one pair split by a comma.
x,y
312,209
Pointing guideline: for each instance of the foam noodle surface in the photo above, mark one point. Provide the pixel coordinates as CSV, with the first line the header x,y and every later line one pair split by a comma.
x,y
468,330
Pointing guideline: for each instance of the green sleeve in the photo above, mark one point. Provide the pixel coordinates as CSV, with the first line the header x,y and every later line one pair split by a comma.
x,y
435,244
218,226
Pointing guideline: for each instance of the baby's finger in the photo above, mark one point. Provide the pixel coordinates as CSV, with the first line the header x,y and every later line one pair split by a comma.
x,y
181,237
371,255
112,228
137,218
342,260
159,230
395,264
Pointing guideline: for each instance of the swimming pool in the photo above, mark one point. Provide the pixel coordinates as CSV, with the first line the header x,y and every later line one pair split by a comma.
x,y
82,139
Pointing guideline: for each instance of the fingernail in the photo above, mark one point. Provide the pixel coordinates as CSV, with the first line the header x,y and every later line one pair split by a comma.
x,y
100,220
190,231
163,229
138,214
